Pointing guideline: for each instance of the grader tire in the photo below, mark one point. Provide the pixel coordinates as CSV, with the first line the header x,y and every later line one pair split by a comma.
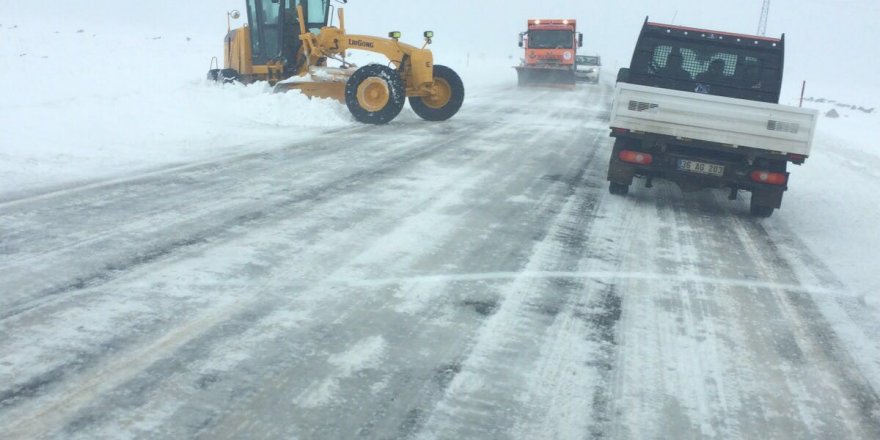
x,y
225,76
448,100
375,94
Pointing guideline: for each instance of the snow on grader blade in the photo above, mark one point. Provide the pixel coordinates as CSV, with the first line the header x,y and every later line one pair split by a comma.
x,y
298,60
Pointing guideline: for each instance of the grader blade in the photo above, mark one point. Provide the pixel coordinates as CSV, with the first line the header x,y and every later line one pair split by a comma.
x,y
334,91
321,82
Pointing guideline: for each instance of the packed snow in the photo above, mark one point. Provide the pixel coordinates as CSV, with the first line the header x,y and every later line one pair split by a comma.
x,y
108,92
90,98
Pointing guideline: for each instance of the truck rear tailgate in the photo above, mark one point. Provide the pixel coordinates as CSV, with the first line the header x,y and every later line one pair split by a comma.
x,y
727,121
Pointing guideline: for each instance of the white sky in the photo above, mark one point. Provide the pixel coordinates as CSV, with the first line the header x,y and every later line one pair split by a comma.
x,y
831,44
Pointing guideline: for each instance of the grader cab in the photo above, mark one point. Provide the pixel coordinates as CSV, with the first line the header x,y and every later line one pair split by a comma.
x,y
290,43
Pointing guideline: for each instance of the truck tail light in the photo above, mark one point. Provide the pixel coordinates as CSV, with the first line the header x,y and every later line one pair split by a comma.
x,y
616,130
636,157
769,177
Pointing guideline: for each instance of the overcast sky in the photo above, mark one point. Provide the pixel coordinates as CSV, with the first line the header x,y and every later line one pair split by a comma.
x,y
831,44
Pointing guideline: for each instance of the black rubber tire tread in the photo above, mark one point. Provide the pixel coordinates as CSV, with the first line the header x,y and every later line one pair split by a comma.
x,y
225,76
229,76
618,189
396,88
455,101
761,211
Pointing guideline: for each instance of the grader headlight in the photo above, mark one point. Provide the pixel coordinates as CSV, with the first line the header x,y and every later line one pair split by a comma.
x,y
395,35
429,34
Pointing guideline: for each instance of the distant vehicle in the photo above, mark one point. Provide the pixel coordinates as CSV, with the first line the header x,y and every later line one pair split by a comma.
x,y
550,48
587,68
700,108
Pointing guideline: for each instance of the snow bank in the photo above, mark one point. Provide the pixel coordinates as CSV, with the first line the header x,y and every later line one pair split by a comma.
x,y
99,101
834,199
81,105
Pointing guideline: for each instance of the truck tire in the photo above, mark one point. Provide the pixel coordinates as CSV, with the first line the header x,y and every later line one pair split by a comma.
x,y
760,211
618,189
375,94
448,100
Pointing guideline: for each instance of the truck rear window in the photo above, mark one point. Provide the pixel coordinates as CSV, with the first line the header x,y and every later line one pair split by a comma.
x,y
725,67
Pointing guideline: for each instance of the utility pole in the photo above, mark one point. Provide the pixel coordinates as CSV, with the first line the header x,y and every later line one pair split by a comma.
x,y
765,12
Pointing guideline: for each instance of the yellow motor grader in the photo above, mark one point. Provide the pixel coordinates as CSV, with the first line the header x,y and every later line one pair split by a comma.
x,y
289,43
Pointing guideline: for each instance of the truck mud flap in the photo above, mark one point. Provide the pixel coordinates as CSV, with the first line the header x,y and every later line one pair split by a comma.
x,y
771,198
620,173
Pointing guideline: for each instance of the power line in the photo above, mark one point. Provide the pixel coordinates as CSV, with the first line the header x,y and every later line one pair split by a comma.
x,y
765,12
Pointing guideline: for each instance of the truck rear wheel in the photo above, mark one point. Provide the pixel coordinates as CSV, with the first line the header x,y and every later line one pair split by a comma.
x,y
760,210
618,189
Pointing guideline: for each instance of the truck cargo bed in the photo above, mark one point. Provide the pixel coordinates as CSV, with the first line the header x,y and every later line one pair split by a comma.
x,y
727,121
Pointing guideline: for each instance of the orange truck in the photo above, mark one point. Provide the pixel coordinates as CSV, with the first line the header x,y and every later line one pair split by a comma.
x,y
550,49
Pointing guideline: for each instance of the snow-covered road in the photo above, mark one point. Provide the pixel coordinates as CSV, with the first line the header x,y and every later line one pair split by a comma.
x,y
470,279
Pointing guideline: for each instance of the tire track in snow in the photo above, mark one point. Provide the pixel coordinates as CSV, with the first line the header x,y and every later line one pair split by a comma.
x,y
489,396
703,375
322,195
410,391
255,217
122,377
815,338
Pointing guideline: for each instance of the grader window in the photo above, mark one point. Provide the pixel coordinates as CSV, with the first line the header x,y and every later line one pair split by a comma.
x,y
254,27
271,15
317,11
271,10
264,19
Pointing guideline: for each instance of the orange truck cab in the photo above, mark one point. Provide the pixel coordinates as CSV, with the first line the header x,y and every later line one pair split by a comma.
x,y
550,50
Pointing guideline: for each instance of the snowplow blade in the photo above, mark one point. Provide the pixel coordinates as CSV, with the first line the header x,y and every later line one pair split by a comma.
x,y
545,77
321,82
326,90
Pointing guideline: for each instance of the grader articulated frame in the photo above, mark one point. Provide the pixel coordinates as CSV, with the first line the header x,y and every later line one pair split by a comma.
x,y
374,93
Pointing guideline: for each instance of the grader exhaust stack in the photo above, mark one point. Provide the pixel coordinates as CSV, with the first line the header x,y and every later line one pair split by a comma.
x,y
290,47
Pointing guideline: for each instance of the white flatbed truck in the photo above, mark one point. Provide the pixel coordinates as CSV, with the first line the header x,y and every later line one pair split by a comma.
x,y
700,108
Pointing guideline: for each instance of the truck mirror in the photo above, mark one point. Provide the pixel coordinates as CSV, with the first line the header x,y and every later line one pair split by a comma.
x,y
623,75
580,39
520,44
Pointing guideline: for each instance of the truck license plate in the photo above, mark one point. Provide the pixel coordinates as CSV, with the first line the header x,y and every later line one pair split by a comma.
x,y
701,167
